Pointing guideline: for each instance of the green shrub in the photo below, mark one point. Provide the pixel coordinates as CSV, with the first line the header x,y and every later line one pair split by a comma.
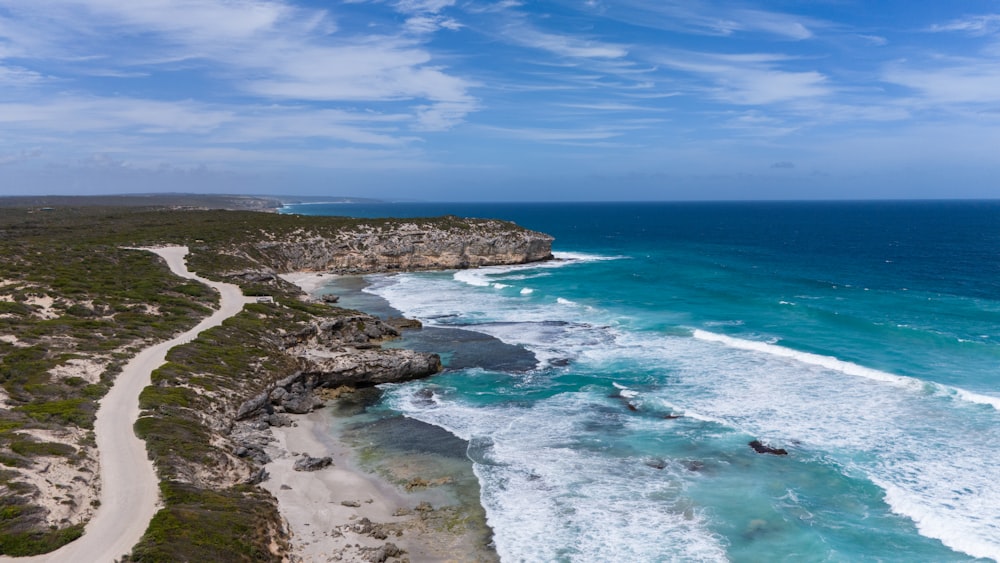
x,y
77,412
31,448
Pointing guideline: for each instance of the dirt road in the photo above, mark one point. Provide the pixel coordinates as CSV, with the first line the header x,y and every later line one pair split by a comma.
x,y
130,489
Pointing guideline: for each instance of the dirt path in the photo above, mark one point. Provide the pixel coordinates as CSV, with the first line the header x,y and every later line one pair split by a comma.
x,y
130,488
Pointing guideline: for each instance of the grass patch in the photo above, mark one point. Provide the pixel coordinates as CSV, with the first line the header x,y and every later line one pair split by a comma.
x,y
24,543
234,525
32,448
76,412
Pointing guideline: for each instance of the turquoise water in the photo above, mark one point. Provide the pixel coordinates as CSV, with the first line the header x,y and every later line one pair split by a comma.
x,y
864,338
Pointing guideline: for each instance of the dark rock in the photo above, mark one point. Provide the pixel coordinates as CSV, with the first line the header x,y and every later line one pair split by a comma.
x,y
383,553
253,406
695,465
671,416
402,323
299,404
258,476
254,276
763,449
279,420
278,394
308,463
350,503
657,463
330,298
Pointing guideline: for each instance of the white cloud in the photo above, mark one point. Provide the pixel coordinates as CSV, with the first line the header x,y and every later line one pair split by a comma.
x,y
419,25
563,45
709,19
267,48
423,6
750,79
974,25
876,40
608,106
306,124
15,77
782,25
20,156
70,115
976,82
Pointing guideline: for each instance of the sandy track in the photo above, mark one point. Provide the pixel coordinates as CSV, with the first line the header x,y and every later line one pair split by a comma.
x,y
130,488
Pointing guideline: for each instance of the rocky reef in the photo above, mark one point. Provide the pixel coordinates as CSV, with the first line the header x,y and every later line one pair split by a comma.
x,y
443,243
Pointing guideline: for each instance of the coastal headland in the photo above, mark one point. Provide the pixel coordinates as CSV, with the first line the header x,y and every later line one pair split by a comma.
x,y
76,304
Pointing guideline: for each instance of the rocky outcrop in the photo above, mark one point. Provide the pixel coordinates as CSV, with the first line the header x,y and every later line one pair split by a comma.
x,y
443,243
365,368
335,353
308,463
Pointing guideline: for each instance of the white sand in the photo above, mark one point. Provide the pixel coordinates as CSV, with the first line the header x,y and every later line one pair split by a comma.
x,y
309,282
312,505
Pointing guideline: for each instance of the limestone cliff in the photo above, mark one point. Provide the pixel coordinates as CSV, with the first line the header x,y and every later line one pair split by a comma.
x,y
442,243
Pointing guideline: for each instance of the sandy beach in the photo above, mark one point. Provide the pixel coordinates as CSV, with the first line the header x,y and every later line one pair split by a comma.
x,y
309,282
344,512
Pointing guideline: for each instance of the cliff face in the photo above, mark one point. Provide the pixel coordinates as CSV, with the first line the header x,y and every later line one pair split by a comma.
x,y
447,243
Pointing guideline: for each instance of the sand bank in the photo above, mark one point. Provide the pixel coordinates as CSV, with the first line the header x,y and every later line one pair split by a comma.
x,y
343,513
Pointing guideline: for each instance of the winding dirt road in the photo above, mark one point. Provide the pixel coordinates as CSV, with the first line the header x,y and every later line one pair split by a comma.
x,y
130,488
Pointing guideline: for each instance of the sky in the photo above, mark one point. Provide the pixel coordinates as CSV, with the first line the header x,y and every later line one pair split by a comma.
x,y
502,100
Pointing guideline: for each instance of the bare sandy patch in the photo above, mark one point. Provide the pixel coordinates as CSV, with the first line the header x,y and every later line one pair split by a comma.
x,y
68,487
12,340
44,306
308,282
88,369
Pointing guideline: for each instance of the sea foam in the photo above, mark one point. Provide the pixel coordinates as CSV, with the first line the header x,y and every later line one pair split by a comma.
x,y
847,368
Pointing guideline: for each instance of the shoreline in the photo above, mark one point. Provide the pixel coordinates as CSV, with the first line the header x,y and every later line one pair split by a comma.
x,y
345,512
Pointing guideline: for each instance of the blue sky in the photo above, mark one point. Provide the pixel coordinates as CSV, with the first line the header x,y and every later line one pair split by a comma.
x,y
502,99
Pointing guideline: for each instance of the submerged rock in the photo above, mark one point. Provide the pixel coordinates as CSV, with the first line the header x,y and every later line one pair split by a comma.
x,y
764,449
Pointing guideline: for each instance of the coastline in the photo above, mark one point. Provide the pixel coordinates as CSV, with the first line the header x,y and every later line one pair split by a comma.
x,y
351,511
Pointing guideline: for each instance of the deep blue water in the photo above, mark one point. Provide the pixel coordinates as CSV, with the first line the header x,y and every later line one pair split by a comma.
x,y
864,338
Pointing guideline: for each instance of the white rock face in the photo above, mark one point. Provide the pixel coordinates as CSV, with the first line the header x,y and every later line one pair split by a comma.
x,y
463,243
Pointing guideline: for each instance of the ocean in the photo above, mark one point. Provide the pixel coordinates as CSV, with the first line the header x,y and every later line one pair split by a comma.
x,y
861,337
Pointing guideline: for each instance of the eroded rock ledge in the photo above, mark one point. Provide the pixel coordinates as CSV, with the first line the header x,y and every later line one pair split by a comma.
x,y
442,243
337,353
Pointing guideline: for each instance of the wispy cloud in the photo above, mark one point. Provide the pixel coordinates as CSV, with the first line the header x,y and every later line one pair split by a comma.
x,y
749,79
71,115
974,25
422,6
270,49
962,82
708,18
561,44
